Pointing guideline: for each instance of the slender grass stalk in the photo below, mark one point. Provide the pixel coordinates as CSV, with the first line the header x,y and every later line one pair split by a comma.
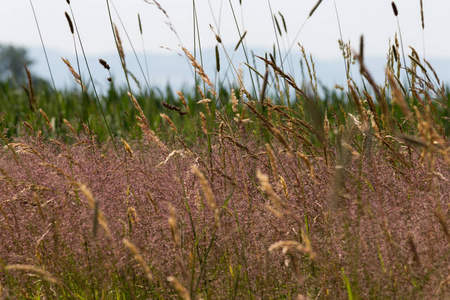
x,y
395,10
301,29
275,26
92,80
60,119
83,93
244,47
197,41
347,70
143,46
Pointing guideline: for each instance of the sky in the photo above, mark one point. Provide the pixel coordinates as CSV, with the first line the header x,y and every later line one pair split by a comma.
x,y
171,26
373,19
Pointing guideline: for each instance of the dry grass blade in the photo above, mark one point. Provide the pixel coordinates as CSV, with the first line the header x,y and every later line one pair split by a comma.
x,y
240,41
173,224
280,137
119,46
286,245
272,160
289,79
198,68
209,195
183,100
127,148
143,123
184,293
47,121
93,204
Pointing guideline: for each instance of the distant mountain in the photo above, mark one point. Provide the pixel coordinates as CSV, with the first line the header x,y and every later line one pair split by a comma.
x,y
175,69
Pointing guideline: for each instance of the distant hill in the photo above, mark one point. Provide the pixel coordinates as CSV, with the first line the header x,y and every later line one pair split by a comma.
x,y
176,70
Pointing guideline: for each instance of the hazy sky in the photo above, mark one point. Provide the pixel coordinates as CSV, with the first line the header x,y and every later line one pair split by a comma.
x,y
373,18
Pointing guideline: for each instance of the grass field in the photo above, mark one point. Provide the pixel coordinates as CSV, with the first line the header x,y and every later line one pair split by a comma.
x,y
284,191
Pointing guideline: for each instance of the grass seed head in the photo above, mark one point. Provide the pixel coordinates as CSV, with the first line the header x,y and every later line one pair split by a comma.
x,y
69,20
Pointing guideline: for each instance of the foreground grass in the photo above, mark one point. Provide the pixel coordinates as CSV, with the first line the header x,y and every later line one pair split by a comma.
x,y
270,202
227,194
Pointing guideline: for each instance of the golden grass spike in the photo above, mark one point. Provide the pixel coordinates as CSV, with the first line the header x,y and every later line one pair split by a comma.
x,y
198,68
265,186
280,137
394,51
138,107
307,163
209,195
119,46
202,95
204,124
183,100
173,224
356,100
71,69
272,160
93,204
398,95
138,257
128,148
38,271
169,121
47,121
28,125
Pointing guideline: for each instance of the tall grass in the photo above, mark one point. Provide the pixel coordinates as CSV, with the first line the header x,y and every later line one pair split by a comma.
x,y
220,192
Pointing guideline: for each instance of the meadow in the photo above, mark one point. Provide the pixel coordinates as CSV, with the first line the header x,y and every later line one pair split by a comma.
x,y
283,191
